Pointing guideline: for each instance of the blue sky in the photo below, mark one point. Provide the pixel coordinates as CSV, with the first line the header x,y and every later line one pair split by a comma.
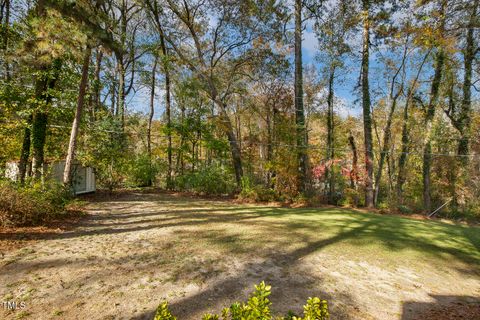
x,y
344,87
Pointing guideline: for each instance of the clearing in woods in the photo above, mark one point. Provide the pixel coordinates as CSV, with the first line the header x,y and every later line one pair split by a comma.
x,y
137,249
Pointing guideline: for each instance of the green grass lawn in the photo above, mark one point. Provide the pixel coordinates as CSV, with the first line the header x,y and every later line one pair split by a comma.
x,y
377,261
393,233
388,239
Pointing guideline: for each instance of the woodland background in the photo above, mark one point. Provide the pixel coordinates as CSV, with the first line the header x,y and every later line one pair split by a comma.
x,y
213,97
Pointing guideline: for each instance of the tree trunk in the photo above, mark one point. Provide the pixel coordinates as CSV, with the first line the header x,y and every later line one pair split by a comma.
x,y
121,91
22,166
367,117
67,173
168,112
229,131
232,139
428,123
385,148
269,157
390,168
330,174
43,84
179,165
150,116
354,172
387,132
39,132
402,161
113,89
299,110
194,146
96,84
154,8
121,64
464,120
429,116
6,36
238,131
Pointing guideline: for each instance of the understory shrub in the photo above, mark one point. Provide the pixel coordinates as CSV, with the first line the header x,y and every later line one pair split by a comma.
x,y
141,171
470,212
351,197
31,204
256,192
109,150
210,180
136,171
256,308
110,175
404,209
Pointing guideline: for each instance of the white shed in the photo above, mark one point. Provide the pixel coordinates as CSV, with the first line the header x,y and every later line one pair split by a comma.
x,y
83,177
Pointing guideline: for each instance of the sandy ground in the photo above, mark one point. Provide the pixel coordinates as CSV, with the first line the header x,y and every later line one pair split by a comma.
x,y
133,252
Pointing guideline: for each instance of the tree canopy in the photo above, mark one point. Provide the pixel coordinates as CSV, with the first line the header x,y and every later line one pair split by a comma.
x,y
362,103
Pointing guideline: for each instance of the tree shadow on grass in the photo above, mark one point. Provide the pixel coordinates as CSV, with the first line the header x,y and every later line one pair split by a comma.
x,y
392,232
289,292
395,233
106,224
277,237
172,197
436,239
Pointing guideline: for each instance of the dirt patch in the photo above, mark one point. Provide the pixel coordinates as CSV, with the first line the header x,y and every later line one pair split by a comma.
x,y
105,195
12,238
136,249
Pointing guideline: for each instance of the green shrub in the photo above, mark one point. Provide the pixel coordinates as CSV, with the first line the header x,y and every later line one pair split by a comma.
x,y
163,313
247,186
141,171
211,180
256,192
301,199
31,204
351,197
404,209
315,309
384,207
265,194
108,149
470,212
109,175
256,308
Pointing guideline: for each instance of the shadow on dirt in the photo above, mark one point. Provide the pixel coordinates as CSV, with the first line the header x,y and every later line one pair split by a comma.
x,y
443,308
281,239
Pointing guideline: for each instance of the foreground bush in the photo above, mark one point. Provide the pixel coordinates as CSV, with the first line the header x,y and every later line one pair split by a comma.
x,y
256,308
32,204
